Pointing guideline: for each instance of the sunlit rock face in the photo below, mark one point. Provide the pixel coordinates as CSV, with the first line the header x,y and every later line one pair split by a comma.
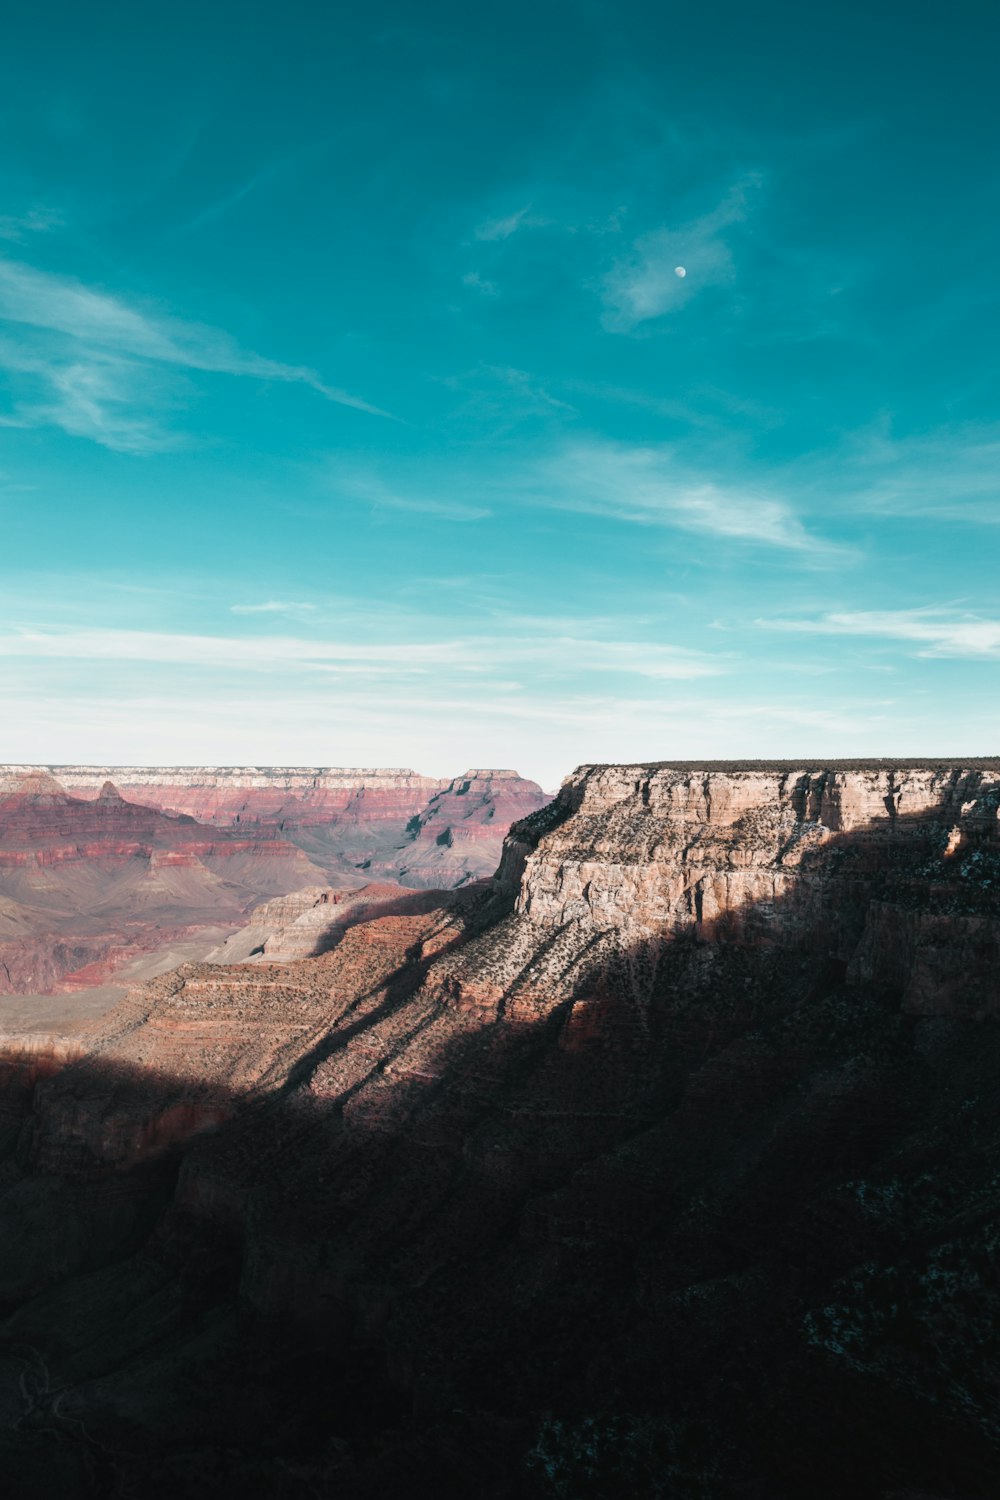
x,y
836,860
683,1128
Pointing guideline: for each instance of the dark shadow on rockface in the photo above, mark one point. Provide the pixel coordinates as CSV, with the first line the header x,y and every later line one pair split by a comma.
x,y
413,903
720,1220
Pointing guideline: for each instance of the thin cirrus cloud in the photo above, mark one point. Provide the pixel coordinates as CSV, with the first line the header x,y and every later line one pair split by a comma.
x,y
272,607
936,632
950,473
480,284
649,487
505,225
19,227
644,284
353,483
478,656
99,366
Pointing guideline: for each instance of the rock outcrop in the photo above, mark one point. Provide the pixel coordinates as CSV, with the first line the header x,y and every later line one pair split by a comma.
x,y
453,837
391,824
225,795
87,885
309,922
664,1164
95,870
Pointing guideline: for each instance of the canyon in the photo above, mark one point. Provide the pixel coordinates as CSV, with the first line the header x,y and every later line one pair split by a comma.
x,y
418,831
101,867
662,1162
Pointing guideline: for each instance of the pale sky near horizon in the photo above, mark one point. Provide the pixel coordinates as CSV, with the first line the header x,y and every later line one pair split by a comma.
x,y
352,412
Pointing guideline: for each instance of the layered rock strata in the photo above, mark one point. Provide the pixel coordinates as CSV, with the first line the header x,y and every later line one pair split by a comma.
x,y
664,1165
90,879
224,795
392,824
86,885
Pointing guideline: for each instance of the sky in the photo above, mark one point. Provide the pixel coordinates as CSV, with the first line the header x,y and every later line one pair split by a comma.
x,y
353,412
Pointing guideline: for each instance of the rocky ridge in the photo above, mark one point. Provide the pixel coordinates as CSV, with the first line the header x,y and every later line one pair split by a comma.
x,y
89,878
389,823
664,1164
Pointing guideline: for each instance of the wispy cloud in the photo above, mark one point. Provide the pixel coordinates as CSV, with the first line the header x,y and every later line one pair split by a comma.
x,y
99,362
938,632
480,284
18,227
272,607
644,284
948,473
358,484
475,655
445,510
499,397
650,487
505,225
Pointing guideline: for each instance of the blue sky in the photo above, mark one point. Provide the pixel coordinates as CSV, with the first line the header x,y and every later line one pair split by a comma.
x,y
352,411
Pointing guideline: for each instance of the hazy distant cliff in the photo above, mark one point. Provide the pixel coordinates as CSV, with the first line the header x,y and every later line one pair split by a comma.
x,y
419,830
101,864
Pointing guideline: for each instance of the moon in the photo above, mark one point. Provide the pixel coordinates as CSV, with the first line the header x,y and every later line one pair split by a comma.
x,y
680,271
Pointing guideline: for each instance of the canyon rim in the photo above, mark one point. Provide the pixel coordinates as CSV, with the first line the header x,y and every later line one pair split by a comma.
x,y
659,1162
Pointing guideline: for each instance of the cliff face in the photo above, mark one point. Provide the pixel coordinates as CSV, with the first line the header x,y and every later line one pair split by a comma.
x,y
893,871
451,837
89,878
87,885
666,1164
228,794
388,823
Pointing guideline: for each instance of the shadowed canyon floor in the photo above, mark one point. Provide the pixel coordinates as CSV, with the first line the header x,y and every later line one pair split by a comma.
x,y
664,1164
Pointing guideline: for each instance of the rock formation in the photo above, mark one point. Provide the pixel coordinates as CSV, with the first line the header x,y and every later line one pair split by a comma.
x,y
223,795
95,871
309,922
391,823
87,885
664,1164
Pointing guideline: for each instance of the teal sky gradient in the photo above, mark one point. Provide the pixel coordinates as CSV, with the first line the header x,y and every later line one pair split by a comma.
x,y
352,412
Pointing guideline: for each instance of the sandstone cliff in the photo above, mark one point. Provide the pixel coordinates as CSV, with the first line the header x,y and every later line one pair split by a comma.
x,y
666,1164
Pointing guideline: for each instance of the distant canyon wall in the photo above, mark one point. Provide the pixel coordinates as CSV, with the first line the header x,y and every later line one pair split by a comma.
x,y
99,865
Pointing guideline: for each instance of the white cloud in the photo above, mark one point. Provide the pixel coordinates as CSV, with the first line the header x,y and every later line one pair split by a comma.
x,y
939,632
644,285
647,486
271,607
952,473
444,510
555,655
18,227
361,484
502,228
103,363
480,284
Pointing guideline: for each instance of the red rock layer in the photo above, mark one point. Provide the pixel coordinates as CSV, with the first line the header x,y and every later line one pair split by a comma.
x,y
226,795
86,885
416,830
